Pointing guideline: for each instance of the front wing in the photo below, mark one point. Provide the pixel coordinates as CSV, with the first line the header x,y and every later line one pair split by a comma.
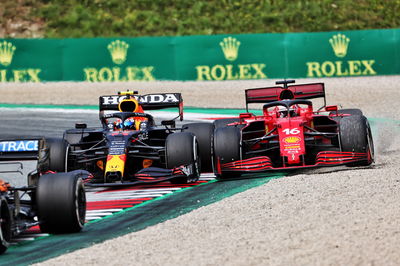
x,y
263,163
151,175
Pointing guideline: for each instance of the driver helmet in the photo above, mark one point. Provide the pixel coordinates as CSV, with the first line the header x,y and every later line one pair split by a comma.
x,y
281,111
129,124
114,125
293,111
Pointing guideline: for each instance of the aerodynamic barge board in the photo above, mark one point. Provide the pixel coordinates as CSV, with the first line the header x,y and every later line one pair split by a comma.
x,y
131,219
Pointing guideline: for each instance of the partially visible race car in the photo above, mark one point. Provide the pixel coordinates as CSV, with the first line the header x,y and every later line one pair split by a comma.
x,y
290,134
31,195
131,149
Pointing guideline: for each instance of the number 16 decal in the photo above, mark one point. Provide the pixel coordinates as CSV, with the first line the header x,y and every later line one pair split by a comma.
x,y
293,131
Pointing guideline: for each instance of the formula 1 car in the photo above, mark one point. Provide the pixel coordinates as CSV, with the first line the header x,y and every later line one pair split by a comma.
x,y
54,201
130,148
290,134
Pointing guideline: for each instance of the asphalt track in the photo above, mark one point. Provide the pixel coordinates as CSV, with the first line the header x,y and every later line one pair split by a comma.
x,y
27,122
15,123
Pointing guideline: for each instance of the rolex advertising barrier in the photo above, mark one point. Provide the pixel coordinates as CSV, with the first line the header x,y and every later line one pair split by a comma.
x,y
214,57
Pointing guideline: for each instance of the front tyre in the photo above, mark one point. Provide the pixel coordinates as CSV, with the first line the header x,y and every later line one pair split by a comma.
x,y
204,134
5,225
181,149
61,202
355,136
227,148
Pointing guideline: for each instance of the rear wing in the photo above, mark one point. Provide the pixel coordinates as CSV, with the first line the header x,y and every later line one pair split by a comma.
x,y
277,93
21,160
20,149
147,102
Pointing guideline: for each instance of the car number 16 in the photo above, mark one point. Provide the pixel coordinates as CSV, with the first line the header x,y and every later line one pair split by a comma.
x,y
293,131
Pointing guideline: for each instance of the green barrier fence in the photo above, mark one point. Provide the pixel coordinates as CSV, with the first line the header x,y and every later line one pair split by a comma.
x,y
215,57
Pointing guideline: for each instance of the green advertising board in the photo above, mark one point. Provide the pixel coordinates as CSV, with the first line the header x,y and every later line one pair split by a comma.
x,y
214,57
30,60
121,59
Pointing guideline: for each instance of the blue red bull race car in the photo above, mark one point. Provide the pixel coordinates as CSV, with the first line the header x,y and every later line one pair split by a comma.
x,y
130,148
290,134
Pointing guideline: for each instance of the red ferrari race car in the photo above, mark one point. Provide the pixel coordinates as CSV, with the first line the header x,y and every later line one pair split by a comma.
x,y
290,134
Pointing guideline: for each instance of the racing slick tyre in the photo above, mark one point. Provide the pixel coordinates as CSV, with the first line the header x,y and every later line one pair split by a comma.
x,y
204,134
350,111
227,148
58,152
182,149
224,122
5,225
61,202
355,136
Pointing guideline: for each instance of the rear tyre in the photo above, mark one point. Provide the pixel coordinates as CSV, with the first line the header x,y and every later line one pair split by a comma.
x,y
182,149
57,152
355,136
204,134
61,202
227,148
5,225
350,111
224,122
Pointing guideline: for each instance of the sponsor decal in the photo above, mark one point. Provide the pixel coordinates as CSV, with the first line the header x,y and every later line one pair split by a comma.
x,y
150,98
119,51
144,135
292,147
230,49
117,147
292,139
187,170
7,50
19,145
340,45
